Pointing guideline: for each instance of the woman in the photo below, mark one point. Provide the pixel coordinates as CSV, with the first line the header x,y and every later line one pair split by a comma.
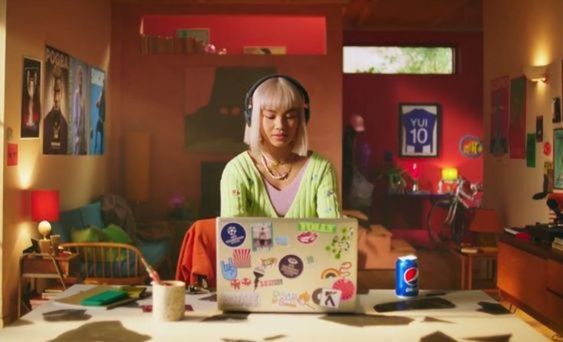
x,y
278,176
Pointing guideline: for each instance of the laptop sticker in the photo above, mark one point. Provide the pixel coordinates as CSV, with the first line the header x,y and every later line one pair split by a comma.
x,y
270,282
330,273
316,227
307,237
241,257
343,271
291,266
258,273
310,259
346,288
262,236
291,299
241,299
269,262
228,270
233,234
282,240
340,243
330,298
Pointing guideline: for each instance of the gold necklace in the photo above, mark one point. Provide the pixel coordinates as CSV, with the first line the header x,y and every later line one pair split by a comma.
x,y
277,175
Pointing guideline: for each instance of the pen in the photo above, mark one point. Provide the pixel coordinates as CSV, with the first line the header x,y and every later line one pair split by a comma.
x,y
152,272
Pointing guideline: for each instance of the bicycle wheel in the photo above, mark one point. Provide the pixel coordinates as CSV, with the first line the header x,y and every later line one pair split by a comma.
x,y
435,221
458,225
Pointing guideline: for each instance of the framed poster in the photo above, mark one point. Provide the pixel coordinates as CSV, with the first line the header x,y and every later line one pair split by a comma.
x,y
31,103
558,158
499,116
419,129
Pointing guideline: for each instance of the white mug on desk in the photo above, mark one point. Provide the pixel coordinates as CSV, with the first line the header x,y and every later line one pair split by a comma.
x,y
168,300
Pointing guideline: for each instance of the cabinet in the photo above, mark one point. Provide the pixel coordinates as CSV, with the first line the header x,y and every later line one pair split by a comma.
x,y
530,276
46,266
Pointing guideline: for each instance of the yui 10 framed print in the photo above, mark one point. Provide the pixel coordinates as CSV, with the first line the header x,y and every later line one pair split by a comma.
x,y
419,129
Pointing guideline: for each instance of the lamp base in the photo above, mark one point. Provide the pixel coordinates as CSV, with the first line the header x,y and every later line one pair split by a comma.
x,y
45,246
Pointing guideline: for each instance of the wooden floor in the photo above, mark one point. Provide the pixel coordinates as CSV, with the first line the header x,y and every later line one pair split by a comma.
x,y
439,271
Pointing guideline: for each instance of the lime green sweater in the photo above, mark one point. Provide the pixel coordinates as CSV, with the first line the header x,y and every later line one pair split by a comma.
x,y
243,192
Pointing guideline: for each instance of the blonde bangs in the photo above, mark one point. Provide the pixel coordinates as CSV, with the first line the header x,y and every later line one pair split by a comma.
x,y
278,93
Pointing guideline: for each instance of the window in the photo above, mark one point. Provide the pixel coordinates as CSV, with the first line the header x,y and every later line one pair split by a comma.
x,y
398,60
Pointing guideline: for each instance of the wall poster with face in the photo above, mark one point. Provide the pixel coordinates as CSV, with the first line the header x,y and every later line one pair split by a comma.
x,y
55,122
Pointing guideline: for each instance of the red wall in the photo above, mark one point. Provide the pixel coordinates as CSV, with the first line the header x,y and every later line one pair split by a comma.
x,y
301,35
377,98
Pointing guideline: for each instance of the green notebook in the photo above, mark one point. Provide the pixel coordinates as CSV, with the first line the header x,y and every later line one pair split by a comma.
x,y
104,298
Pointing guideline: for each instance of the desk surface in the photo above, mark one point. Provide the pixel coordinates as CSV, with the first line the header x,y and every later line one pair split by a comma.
x,y
206,323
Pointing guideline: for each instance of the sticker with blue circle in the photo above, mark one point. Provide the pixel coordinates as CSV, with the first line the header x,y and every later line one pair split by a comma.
x,y
233,234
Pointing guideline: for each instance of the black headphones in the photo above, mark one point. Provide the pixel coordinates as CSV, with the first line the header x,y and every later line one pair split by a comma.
x,y
250,93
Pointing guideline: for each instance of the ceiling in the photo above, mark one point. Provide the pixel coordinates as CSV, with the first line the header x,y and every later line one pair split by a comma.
x,y
420,15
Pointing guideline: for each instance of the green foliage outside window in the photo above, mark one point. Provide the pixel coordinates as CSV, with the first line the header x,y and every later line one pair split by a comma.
x,y
398,60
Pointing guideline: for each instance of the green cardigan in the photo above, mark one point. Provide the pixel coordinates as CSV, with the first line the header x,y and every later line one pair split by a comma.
x,y
243,192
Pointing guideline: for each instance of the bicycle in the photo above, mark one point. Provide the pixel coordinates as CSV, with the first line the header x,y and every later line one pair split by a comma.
x,y
455,221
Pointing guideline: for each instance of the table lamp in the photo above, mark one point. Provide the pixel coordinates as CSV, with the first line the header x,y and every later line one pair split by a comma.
x,y
449,178
44,208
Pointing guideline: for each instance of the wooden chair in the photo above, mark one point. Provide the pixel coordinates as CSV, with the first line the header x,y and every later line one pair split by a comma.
x,y
109,263
486,226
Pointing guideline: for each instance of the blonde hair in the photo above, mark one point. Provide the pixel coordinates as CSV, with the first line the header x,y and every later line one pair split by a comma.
x,y
277,93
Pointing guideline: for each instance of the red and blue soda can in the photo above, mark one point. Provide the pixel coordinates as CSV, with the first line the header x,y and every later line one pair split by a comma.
x,y
406,276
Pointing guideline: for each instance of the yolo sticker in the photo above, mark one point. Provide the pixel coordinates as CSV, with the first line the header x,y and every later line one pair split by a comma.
x,y
291,266
233,234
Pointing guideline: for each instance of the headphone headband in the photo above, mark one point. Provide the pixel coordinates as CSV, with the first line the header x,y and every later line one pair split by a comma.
x,y
250,94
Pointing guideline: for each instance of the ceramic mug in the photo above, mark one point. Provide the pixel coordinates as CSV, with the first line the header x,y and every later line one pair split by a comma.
x,y
168,300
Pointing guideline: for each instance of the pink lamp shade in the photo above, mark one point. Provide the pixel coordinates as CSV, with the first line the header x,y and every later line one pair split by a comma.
x,y
45,205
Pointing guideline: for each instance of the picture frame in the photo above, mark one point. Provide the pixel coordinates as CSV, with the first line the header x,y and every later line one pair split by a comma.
x,y
198,34
419,129
558,158
30,115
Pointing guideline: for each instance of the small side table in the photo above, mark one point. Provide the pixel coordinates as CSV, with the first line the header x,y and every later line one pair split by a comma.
x,y
489,254
46,266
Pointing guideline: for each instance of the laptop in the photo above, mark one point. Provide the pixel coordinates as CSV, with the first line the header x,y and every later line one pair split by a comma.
x,y
286,265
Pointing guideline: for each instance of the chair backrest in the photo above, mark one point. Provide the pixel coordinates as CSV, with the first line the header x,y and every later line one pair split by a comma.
x,y
109,263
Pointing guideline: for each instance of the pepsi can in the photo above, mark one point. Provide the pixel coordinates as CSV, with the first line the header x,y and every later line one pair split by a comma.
x,y
406,276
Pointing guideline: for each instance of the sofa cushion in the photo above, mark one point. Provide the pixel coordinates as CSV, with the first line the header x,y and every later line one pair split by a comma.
x,y
92,215
67,220
88,234
154,252
114,233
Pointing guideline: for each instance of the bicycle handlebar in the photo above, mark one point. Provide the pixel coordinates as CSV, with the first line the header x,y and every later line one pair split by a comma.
x,y
463,196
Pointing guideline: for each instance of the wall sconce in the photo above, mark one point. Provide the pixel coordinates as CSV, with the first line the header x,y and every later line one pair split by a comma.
x,y
536,73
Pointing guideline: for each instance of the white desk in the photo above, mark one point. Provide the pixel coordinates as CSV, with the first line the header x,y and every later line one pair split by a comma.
x,y
131,324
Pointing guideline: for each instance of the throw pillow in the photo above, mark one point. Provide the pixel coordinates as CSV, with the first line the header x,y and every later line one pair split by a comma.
x,y
115,233
88,234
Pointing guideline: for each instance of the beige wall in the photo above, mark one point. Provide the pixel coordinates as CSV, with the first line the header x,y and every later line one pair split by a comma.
x,y
519,33
82,29
149,95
